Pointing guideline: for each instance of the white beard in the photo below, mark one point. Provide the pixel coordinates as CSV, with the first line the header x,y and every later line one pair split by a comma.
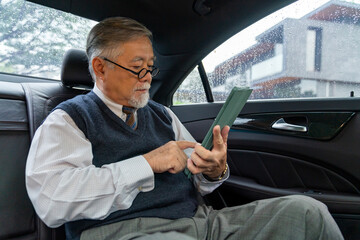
x,y
140,102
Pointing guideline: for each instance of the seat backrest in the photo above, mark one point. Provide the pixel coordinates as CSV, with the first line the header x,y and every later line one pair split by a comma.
x,y
23,107
41,98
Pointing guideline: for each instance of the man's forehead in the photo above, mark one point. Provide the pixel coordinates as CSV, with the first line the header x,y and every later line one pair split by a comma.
x,y
137,49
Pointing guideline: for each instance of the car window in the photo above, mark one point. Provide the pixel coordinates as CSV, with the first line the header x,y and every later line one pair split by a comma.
x,y
307,49
34,38
191,90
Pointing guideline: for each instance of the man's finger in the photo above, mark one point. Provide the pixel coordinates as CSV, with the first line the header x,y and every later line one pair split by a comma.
x,y
217,138
185,144
192,168
202,152
198,161
225,133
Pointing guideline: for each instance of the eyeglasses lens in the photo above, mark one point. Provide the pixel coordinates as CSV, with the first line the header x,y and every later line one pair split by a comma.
x,y
144,71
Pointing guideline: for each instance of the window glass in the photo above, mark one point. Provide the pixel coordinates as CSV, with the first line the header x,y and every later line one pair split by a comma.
x,y
313,49
307,49
191,90
34,38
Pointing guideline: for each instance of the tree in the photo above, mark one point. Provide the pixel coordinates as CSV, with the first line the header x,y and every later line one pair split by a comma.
x,y
33,38
191,90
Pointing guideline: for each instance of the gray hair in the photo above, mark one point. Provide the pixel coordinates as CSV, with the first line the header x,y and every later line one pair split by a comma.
x,y
106,36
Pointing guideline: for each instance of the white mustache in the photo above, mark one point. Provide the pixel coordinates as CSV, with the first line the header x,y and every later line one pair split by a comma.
x,y
146,86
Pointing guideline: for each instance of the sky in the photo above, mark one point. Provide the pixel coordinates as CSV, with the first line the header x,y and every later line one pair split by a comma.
x,y
246,38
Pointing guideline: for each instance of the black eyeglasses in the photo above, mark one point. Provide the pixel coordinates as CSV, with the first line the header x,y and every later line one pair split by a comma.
x,y
142,73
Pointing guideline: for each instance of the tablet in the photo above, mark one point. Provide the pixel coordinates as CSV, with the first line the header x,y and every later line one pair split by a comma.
x,y
228,113
226,116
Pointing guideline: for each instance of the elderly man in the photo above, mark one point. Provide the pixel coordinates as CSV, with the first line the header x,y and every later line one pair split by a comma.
x,y
110,164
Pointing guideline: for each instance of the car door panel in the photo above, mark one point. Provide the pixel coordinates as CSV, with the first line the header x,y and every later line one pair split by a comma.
x,y
335,153
260,175
312,125
321,162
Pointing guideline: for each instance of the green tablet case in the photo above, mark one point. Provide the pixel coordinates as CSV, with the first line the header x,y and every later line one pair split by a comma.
x,y
226,116
228,113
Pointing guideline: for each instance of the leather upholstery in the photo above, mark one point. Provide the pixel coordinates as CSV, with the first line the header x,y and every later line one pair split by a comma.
x,y
10,90
41,98
74,72
24,107
17,215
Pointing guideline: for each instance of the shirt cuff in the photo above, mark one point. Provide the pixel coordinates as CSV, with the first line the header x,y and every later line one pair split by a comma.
x,y
205,186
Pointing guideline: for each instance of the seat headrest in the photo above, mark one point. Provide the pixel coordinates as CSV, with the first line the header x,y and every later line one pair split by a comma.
x,y
74,71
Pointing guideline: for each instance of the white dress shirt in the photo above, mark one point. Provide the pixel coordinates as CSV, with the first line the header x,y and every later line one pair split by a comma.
x,y
64,185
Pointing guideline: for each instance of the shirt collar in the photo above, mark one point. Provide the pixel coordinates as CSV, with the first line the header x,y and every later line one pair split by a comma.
x,y
113,106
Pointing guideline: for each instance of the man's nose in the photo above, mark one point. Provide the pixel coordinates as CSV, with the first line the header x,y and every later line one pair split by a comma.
x,y
146,78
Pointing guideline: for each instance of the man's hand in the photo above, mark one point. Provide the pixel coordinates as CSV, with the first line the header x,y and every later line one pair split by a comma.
x,y
169,157
211,163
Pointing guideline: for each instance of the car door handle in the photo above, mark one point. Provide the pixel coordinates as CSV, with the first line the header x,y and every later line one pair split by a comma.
x,y
282,125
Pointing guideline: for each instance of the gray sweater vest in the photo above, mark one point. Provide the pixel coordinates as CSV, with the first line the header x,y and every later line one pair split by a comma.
x,y
173,197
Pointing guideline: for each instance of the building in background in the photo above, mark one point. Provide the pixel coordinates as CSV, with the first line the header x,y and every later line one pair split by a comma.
x,y
300,57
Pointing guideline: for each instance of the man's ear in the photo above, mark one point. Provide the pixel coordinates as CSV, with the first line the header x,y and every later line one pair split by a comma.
x,y
98,66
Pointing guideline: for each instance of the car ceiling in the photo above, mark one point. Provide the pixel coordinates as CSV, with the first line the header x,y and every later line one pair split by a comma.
x,y
184,31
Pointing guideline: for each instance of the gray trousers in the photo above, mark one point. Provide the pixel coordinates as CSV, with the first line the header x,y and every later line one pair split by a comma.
x,y
291,217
